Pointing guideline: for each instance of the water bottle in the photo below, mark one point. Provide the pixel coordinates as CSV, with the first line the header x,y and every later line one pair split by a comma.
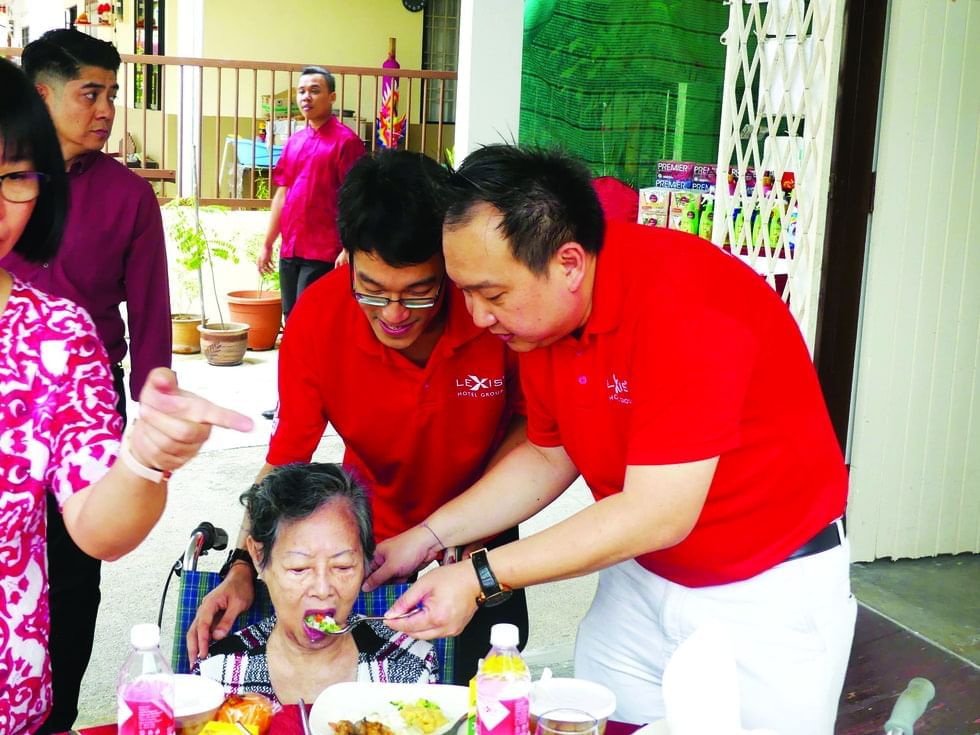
x,y
503,686
145,694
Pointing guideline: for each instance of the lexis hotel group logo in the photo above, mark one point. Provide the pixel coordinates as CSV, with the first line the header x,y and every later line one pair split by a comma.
x,y
475,386
619,390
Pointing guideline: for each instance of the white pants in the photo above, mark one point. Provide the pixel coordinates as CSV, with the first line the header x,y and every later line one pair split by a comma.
x,y
793,626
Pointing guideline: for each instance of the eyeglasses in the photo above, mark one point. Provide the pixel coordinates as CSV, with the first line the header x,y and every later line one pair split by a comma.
x,y
19,187
426,302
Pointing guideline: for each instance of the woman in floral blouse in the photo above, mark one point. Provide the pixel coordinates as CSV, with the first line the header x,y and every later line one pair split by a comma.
x,y
59,432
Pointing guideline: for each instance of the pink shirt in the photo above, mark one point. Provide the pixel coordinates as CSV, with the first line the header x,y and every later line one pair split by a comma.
x,y
313,165
59,433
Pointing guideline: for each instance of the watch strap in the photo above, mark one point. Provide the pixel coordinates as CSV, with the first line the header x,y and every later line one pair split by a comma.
x,y
236,555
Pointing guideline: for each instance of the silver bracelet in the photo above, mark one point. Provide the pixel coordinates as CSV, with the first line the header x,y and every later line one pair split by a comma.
x,y
425,524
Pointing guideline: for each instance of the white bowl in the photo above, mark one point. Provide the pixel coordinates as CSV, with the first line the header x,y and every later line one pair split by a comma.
x,y
355,700
196,699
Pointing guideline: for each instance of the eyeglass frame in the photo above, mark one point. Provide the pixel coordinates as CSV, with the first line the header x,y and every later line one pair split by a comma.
x,y
381,302
40,177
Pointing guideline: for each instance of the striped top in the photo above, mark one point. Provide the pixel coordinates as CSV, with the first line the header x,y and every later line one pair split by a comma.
x,y
239,661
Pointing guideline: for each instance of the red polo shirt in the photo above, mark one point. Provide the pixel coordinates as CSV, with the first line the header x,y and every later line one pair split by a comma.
x,y
415,437
687,355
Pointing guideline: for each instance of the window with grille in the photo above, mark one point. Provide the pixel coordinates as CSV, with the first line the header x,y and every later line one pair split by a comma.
x,y
25,36
440,46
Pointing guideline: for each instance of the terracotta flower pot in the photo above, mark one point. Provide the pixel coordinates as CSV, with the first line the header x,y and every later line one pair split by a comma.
x,y
262,311
224,343
186,340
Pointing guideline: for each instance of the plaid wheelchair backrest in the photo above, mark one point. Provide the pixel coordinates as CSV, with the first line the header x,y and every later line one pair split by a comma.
x,y
195,585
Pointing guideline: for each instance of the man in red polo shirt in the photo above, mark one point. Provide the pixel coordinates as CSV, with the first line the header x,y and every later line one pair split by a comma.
x,y
385,350
676,382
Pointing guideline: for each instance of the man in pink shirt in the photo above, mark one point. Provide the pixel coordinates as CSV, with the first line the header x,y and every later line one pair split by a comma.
x,y
309,174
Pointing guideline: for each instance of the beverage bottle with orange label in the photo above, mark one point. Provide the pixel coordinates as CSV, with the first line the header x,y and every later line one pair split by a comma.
x,y
503,686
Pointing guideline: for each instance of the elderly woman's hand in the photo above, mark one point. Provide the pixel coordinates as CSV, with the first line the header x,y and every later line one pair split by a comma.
x,y
174,423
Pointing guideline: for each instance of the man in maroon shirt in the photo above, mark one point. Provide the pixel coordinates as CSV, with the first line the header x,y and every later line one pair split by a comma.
x,y
113,251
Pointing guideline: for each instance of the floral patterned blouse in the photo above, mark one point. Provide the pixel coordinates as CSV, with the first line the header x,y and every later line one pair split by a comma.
x,y
59,433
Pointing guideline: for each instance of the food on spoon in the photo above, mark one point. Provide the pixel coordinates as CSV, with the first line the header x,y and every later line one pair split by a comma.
x,y
322,623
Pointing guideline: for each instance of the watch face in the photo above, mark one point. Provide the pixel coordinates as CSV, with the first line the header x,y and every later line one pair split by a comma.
x,y
497,598
413,5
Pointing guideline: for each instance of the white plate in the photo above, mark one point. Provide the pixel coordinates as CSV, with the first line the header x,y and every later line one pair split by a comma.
x,y
654,728
354,700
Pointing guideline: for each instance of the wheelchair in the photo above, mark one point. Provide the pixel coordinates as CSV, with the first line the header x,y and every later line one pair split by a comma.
x,y
195,584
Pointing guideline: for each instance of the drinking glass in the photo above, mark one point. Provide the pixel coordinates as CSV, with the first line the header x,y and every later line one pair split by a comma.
x,y
566,720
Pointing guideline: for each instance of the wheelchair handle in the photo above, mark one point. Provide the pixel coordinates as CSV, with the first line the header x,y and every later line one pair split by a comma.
x,y
204,538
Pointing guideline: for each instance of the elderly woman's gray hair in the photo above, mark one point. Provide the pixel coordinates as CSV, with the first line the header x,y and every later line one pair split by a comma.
x,y
296,491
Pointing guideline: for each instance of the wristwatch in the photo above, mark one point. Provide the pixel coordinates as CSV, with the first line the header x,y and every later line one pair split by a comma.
x,y
238,555
492,592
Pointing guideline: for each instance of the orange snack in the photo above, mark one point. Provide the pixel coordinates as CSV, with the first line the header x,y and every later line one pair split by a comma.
x,y
250,709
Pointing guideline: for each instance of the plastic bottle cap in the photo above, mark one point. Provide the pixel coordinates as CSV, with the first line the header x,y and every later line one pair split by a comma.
x,y
504,635
145,635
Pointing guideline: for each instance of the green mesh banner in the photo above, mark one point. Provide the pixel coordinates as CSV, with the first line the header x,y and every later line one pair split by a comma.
x,y
624,83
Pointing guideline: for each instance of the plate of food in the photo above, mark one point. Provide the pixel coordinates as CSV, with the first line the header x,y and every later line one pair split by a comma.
x,y
362,708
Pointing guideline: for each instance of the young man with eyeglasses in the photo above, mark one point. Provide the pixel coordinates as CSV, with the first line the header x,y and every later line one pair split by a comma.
x,y
113,251
384,349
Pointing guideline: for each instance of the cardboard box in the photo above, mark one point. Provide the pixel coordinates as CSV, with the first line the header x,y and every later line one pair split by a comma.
x,y
675,174
685,211
654,206
705,177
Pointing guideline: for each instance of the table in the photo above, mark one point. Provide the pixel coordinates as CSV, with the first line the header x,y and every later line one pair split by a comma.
x,y
286,722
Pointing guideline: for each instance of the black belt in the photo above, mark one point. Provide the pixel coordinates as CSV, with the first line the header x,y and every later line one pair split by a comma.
x,y
826,539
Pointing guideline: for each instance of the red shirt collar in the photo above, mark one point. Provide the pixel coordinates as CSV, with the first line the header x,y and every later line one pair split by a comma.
x,y
608,290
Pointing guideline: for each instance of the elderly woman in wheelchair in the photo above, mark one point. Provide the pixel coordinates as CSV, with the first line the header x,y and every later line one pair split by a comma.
x,y
312,540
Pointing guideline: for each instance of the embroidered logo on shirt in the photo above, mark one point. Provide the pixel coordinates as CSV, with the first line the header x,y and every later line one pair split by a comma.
x,y
475,386
619,390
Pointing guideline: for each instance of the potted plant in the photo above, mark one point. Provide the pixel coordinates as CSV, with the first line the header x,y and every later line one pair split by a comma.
x,y
223,342
260,308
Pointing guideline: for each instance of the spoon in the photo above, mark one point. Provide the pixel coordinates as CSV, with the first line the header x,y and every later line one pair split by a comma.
x,y
358,621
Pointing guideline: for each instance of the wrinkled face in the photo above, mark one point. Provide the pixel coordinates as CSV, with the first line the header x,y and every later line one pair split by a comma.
x,y
522,308
317,567
314,98
13,216
82,110
394,325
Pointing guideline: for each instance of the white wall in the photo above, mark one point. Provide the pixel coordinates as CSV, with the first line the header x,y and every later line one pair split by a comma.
x,y
915,455
488,104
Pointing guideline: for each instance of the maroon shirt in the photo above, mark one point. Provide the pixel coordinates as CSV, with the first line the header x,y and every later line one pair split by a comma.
x,y
113,251
313,165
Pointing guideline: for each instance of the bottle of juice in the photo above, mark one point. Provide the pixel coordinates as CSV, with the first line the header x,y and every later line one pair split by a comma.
x,y
503,686
145,694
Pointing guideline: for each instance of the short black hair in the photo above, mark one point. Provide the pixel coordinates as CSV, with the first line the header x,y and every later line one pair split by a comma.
x,y
545,197
63,52
27,134
296,491
392,204
331,84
